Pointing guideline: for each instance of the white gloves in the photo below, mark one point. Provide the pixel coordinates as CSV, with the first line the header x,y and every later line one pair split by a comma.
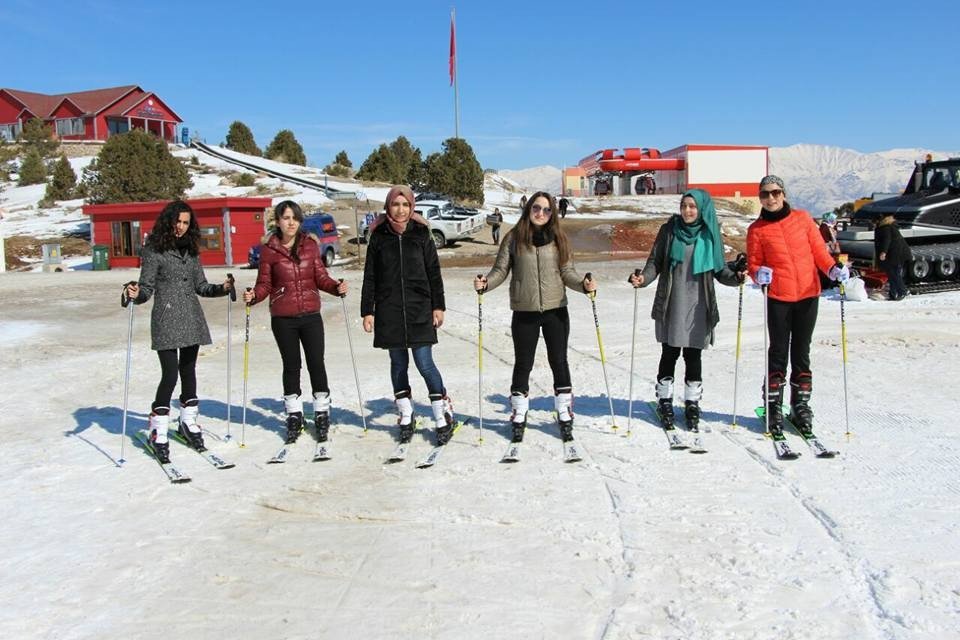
x,y
764,276
839,273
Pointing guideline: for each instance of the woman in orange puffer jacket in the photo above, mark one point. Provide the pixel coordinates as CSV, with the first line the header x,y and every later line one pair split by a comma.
x,y
784,252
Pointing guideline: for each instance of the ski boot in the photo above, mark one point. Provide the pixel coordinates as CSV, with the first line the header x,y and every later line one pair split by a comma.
x,y
442,417
187,424
801,415
520,404
693,391
774,413
294,409
665,402
321,414
405,421
563,403
159,423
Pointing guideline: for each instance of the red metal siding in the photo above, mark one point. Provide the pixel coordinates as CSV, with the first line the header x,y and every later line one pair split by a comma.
x,y
9,109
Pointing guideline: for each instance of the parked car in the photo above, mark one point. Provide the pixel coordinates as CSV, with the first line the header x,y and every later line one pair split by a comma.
x,y
449,222
323,226
431,195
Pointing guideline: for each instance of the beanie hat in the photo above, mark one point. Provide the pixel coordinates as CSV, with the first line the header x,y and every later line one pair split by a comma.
x,y
772,179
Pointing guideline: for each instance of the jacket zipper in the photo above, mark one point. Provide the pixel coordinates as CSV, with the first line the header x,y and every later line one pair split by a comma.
x,y
277,295
163,313
539,281
403,296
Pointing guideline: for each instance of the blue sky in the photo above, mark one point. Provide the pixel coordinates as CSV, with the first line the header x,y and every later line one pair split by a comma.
x,y
540,82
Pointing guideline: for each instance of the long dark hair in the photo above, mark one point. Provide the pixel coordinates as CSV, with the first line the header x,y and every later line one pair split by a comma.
x,y
278,211
523,232
163,238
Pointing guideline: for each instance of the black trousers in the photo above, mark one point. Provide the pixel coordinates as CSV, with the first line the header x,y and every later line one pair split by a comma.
x,y
894,272
173,365
693,365
790,325
290,333
526,327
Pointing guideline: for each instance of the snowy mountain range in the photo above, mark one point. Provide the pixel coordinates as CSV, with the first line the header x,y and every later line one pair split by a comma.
x,y
819,177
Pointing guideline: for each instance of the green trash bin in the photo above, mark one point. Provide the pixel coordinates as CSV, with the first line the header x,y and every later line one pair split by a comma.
x,y
101,257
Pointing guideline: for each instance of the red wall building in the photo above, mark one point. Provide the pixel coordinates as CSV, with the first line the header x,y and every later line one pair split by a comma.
x,y
89,115
228,228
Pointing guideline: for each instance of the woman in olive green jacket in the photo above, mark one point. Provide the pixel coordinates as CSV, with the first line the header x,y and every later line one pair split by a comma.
x,y
537,253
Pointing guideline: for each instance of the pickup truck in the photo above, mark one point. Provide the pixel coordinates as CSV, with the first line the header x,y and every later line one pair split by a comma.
x,y
448,222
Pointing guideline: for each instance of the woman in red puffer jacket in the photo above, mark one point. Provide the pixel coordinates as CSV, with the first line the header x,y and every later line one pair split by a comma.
x,y
784,252
292,275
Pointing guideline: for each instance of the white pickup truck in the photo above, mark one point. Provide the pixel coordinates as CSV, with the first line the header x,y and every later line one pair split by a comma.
x,y
449,222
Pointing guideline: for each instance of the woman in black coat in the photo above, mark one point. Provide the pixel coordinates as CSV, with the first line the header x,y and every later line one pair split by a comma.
x,y
402,304
171,273
893,253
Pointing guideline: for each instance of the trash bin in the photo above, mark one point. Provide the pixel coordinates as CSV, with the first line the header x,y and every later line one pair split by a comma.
x,y
101,257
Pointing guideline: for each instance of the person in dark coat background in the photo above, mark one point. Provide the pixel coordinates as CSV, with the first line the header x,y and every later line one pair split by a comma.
x,y
402,303
893,253
171,273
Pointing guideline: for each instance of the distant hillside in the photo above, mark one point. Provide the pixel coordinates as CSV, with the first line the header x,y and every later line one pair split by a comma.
x,y
545,178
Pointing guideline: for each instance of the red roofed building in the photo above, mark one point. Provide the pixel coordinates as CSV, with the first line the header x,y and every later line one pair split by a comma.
x,y
89,115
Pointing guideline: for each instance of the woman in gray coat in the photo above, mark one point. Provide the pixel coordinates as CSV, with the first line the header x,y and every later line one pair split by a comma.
x,y
171,273
687,256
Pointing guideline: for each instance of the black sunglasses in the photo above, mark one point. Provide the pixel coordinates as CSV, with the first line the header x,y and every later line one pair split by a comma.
x,y
775,193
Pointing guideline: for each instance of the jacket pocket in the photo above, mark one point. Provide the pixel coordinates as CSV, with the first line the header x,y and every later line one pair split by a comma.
x,y
276,295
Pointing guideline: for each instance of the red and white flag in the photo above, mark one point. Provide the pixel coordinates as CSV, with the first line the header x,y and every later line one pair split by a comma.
x,y
453,50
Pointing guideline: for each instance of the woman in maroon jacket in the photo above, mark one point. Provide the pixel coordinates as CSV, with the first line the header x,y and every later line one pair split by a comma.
x,y
292,275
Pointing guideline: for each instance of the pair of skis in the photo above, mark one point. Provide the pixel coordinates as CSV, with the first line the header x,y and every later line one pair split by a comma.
x,y
675,436
571,452
321,452
399,453
174,474
782,448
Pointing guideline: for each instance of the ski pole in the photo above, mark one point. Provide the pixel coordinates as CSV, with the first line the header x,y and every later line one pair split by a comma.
x,y
766,366
230,300
126,302
480,358
353,359
603,359
740,265
633,351
246,363
843,345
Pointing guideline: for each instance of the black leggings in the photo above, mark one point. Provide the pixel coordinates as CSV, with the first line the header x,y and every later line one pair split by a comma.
x,y
289,333
526,326
693,366
170,366
791,329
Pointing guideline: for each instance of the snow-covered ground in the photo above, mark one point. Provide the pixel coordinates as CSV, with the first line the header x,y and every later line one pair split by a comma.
x,y
636,541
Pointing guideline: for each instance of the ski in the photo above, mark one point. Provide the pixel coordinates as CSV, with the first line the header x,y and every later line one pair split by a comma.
x,y
817,447
571,452
434,454
674,438
173,474
206,454
780,446
400,451
321,451
697,445
512,454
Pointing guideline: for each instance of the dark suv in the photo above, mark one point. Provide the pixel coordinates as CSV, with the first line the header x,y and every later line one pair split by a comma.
x,y
323,226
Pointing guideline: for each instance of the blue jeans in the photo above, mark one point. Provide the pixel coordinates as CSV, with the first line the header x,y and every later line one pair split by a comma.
x,y
423,358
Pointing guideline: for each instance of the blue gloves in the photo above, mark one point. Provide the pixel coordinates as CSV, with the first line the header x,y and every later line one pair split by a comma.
x,y
764,276
839,273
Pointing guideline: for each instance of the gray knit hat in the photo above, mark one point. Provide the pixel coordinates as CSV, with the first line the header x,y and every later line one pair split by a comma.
x,y
772,179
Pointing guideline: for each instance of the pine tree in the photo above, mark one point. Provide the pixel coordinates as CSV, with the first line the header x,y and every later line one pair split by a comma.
x,y
455,171
32,170
134,167
379,165
343,160
240,138
64,181
39,136
409,163
285,148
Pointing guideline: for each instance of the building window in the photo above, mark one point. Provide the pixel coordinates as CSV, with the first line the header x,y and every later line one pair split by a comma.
x,y
70,127
126,240
9,132
210,238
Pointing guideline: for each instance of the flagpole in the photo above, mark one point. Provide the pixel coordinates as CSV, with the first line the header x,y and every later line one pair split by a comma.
x,y
456,76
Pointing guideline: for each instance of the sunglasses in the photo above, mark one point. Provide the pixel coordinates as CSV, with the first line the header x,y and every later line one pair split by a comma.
x,y
537,209
773,193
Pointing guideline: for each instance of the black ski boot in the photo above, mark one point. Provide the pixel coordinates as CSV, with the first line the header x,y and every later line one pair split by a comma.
x,y
693,392
294,426
566,430
160,421
801,415
665,402
406,432
189,410
322,423
442,417
520,404
563,403
774,410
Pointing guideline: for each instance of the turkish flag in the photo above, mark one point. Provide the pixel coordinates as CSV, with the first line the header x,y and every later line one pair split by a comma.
x,y
453,51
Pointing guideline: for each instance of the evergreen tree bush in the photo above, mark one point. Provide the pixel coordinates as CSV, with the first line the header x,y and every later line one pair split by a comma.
x,y
134,167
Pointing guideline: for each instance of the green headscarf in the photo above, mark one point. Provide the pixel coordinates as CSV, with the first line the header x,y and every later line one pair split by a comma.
x,y
704,231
